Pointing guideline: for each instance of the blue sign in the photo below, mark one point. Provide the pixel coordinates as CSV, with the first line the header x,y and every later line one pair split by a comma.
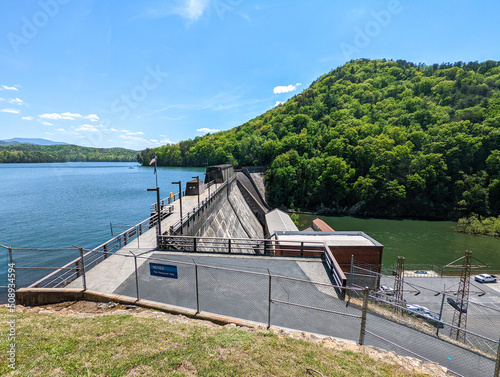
x,y
163,270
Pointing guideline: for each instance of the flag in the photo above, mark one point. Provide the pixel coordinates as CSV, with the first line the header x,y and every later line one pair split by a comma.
x,y
153,161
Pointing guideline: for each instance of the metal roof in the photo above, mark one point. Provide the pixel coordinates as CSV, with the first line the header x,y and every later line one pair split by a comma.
x,y
277,220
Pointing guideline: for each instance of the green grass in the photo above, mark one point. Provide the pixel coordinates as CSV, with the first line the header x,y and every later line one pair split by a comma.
x,y
125,345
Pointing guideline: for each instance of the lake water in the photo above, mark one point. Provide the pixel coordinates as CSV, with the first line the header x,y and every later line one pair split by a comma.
x,y
58,205
420,242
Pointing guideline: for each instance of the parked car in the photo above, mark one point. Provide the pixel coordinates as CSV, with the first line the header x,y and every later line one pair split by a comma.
x,y
419,309
457,305
424,313
387,290
485,278
433,320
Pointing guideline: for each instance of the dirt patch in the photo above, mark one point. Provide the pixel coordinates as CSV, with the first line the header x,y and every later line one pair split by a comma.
x,y
187,369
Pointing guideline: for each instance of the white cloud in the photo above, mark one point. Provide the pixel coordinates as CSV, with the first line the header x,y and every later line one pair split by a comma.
x,y
135,133
207,130
278,103
47,124
27,118
12,111
286,89
87,128
70,116
193,9
4,87
16,101
190,9
92,117
114,130
55,116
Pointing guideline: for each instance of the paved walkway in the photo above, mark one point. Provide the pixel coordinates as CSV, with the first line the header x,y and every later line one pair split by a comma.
x,y
107,276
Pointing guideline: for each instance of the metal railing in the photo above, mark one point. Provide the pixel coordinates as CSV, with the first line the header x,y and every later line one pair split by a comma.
x,y
64,275
166,201
252,246
190,216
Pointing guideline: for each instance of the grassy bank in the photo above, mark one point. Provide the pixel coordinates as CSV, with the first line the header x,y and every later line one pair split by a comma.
x,y
141,342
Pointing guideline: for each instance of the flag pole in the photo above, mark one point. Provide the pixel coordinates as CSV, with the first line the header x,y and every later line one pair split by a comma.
x,y
156,172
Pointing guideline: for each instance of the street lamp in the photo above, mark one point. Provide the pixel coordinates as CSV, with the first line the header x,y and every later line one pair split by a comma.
x,y
198,187
158,209
180,198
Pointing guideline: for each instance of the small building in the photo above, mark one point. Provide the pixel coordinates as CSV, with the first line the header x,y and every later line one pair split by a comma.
x,y
319,225
343,245
195,187
219,173
277,220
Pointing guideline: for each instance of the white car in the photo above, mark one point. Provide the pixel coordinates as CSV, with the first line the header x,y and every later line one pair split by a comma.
x,y
485,278
419,309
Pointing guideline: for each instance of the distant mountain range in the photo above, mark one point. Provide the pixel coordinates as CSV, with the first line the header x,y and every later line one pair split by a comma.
x,y
19,150
35,141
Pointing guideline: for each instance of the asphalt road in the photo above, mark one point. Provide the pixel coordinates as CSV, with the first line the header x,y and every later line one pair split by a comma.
x,y
246,296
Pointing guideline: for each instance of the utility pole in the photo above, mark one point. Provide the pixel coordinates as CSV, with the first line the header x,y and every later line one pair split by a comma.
x,y
180,198
398,283
459,317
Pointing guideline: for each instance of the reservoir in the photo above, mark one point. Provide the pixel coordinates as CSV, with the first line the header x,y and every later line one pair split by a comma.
x,y
58,205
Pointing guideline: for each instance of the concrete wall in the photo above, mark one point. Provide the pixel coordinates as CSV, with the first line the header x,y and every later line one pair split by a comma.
x,y
228,216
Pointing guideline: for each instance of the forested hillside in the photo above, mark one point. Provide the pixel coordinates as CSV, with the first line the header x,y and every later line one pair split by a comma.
x,y
62,153
374,138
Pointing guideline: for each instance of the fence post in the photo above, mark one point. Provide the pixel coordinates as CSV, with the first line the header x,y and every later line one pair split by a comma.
x,y
194,244
229,245
269,304
441,310
136,276
197,287
363,317
497,364
83,269
10,255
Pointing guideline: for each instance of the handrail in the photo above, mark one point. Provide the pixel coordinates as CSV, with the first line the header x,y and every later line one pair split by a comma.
x,y
166,201
236,245
107,248
203,204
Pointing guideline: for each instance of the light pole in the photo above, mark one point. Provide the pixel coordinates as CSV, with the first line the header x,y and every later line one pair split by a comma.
x,y
198,187
180,198
158,209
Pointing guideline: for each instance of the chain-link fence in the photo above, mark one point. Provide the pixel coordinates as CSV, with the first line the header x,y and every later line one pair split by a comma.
x,y
260,295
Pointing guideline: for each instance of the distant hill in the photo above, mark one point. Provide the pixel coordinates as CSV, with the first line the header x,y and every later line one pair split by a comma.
x,y
35,141
19,153
373,138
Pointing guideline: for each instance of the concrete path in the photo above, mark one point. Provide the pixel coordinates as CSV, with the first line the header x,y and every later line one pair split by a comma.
x,y
113,271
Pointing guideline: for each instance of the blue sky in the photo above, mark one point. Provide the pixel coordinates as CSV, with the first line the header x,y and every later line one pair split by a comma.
x,y
140,74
